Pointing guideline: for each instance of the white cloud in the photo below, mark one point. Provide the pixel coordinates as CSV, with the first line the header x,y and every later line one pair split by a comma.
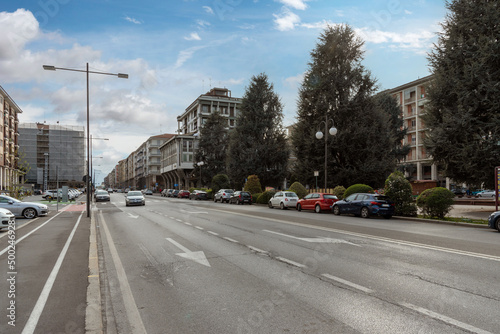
x,y
202,23
408,12
208,9
185,55
296,4
130,19
193,37
286,20
18,29
418,42
317,25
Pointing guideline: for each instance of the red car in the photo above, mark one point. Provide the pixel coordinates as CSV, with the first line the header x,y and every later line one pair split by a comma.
x,y
317,202
183,194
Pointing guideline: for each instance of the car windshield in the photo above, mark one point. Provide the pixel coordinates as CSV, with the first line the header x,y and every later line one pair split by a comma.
x,y
101,192
382,198
330,196
291,195
6,199
134,193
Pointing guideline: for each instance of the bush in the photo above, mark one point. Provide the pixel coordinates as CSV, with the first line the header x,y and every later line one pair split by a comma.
x,y
358,188
339,192
299,189
253,185
435,202
399,189
265,197
255,197
220,181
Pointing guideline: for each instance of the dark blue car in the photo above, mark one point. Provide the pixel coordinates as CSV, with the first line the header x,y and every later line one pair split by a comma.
x,y
365,205
494,220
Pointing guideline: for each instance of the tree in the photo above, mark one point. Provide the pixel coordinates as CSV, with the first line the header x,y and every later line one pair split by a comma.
x,y
388,105
258,144
462,115
399,190
338,86
253,185
212,147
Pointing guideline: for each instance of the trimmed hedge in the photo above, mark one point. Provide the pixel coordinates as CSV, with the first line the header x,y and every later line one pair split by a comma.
x,y
339,192
435,202
399,190
299,189
265,197
358,188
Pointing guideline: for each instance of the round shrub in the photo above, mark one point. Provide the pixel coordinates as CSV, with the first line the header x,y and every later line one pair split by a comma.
x,y
255,197
253,185
435,202
220,181
265,197
399,190
299,189
358,188
339,192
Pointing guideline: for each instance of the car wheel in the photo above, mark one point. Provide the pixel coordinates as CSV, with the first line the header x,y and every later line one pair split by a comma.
x,y
336,210
270,205
215,200
497,224
299,207
282,206
29,213
365,213
317,208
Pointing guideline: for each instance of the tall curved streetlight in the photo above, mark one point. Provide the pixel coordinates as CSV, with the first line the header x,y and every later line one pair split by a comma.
x,y
320,135
200,164
119,75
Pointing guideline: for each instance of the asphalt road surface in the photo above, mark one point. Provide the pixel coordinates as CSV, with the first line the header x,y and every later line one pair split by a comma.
x,y
180,266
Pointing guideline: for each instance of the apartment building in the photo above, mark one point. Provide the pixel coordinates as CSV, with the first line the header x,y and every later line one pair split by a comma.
x,y
148,163
177,154
54,153
9,136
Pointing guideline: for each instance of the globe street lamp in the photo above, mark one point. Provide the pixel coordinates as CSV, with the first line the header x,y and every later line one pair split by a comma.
x,y
319,135
119,75
200,164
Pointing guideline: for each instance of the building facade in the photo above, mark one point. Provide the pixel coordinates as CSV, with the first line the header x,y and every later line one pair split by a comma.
x,y
10,175
54,154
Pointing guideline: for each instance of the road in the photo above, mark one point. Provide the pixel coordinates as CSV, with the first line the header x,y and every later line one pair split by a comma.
x,y
180,266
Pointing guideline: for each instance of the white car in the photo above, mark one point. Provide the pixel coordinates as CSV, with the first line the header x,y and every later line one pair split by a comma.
x,y
284,200
134,197
6,217
486,193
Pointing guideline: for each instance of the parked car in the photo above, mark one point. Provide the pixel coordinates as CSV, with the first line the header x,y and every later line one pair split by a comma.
x,y
37,192
494,220
164,192
23,209
365,205
174,193
223,195
283,200
148,192
317,202
110,190
6,218
486,193
240,197
198,195
51,194
134,197
183,194
102,196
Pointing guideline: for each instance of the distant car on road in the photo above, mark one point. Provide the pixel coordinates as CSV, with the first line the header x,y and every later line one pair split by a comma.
x,y
148,192
183,194
365,205
283,200
494,220
134,197
486,193
23,209
223,195
102,196
240,197
317,202
198,195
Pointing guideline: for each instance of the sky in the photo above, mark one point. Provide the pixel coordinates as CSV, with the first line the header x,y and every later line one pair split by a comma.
x,y
176,50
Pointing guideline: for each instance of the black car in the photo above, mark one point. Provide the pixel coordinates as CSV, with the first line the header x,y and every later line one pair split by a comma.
x,y
365,205
494,220
198,195
174,193
240,197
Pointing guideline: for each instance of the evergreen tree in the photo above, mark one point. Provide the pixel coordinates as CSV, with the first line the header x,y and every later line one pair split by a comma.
x,y
257,144
463,112
337,84
212,147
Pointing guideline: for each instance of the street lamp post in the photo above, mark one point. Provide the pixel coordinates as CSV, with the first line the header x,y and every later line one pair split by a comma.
x,y
319,135
119,75
200,164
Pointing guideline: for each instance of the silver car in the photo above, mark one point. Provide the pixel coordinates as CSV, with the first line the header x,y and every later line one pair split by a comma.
x,y
134,197
283,200
23,209
6,218
223,195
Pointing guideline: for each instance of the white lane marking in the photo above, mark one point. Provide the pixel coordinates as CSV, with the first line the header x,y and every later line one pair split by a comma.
x,y
27,235
213,233
132,216
314,240
446,319
187,223
198,257
232,240
293,263
44,295
348,283
367,236
199,228
258,250
133,316
179,220
18,227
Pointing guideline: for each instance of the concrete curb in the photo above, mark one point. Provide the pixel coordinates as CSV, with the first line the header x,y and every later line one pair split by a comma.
x,y
93,313
435,221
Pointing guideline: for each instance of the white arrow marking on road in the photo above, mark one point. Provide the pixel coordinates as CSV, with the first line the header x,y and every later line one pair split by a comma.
x,y
132,216
198,257
318,239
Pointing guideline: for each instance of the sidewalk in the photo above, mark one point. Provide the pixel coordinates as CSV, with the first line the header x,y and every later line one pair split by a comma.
x,y
471,211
